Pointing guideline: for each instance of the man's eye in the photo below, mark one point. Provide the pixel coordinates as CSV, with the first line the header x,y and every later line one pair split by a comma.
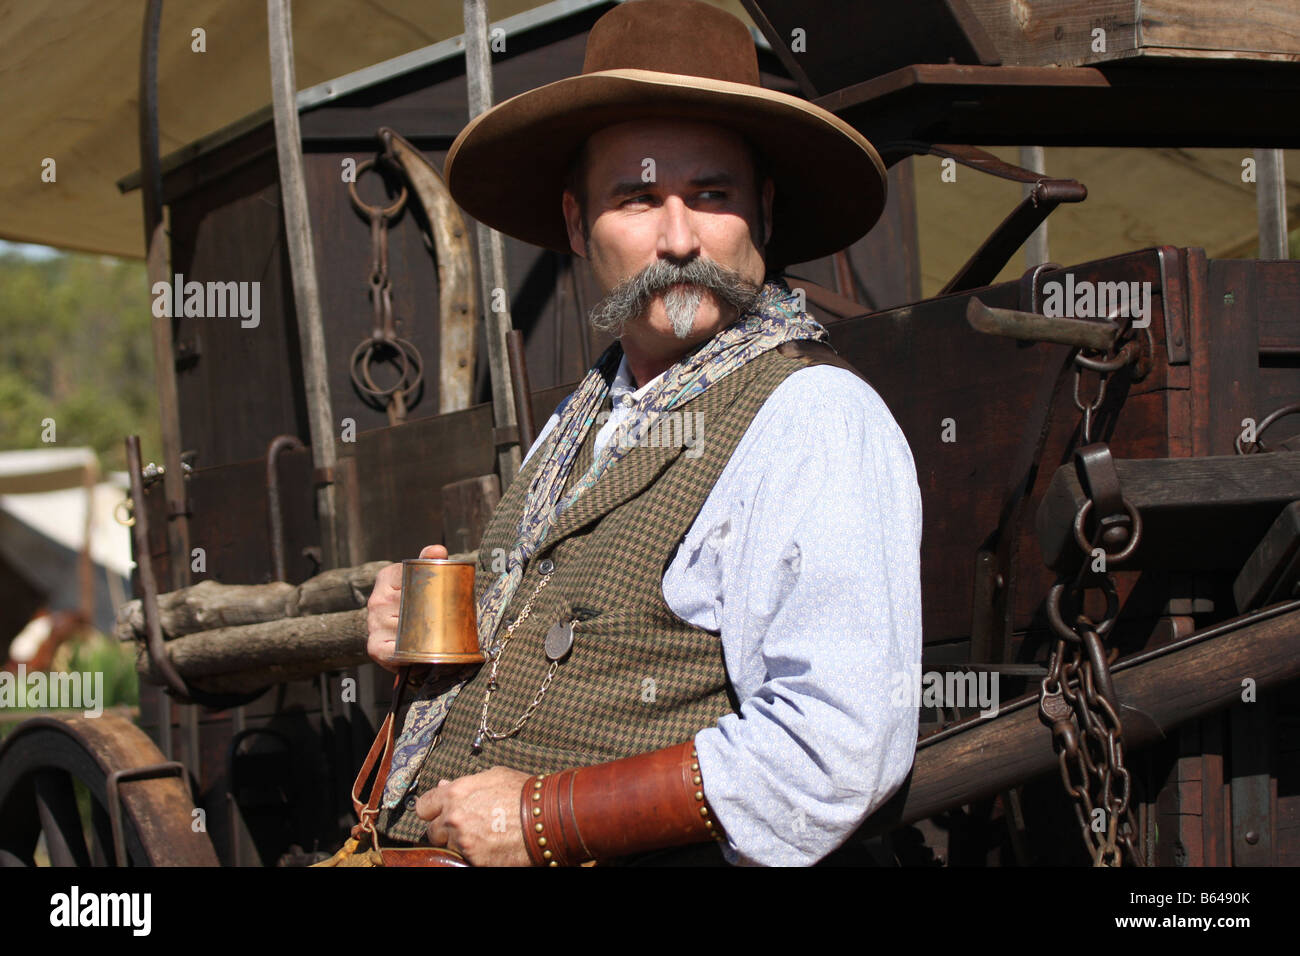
x,y
713,193
644,197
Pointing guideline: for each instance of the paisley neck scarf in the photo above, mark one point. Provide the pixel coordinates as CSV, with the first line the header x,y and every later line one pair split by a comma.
x,y
776,317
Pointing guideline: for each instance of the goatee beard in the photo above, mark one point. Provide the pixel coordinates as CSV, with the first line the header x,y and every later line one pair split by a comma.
x,y
683,287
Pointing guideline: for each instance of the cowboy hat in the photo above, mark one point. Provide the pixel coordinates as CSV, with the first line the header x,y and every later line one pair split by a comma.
x,y
678,59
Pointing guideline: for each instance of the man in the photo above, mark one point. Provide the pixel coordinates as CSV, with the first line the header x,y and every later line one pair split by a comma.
x,y
682,643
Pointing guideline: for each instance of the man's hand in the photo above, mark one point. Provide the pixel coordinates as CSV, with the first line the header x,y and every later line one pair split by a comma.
x,y
478,817
385,601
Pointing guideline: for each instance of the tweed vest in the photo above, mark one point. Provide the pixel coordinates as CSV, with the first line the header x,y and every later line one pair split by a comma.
x,y
638,677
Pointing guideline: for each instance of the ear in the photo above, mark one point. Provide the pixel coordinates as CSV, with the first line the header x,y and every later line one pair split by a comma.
x,y
573,222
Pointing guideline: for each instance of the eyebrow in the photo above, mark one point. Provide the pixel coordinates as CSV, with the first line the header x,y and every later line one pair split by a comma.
x,y
633,187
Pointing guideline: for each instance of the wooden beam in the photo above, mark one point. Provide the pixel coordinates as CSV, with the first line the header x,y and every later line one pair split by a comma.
x,y
1184,504
302,262
493,283
1159,689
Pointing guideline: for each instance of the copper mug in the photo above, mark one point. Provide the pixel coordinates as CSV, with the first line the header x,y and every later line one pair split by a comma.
x,y
437,619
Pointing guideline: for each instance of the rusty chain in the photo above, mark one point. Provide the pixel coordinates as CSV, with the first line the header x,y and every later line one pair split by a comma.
x,y
384,344
1077,698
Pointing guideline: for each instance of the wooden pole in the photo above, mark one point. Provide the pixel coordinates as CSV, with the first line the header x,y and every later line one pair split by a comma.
x,y
1034,159
1270,202
157,262
156,267
493,284
1160,689
306,293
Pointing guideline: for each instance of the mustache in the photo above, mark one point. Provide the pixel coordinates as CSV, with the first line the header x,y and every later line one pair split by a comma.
x,y
631,297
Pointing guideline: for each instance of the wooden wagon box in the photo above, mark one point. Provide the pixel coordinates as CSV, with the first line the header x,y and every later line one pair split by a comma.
x,y
1066,32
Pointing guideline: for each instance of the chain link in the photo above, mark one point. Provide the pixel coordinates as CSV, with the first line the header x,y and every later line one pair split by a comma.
x,y
384,344
1076,698
494,658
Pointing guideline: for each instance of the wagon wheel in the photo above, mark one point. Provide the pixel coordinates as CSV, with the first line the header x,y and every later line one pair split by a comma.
x,y
40,760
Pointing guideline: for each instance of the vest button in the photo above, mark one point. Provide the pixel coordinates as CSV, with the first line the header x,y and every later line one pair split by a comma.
x,y
546,566
410,803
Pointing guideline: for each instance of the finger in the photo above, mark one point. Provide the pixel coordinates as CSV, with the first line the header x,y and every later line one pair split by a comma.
x,y
430,805
433,551
437,834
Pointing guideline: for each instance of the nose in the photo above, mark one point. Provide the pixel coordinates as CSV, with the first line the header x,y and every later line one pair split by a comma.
x,y
678,238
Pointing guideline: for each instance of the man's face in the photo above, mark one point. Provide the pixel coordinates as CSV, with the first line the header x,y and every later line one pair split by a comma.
x,y
699,210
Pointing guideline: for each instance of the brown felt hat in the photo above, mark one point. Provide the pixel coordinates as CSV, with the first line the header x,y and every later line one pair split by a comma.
x,y
677,59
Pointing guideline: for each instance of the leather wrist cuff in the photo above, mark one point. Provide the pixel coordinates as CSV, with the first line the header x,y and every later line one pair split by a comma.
x,y
616,809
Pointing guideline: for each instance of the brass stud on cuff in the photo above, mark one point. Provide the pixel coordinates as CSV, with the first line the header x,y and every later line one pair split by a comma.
x,y
696,780
553,863
695,766
537,796
704,811
699,794
547,854
537,811
541,841
537,827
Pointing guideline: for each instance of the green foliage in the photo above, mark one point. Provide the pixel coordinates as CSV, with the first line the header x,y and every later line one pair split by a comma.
x,y
78,350
97,653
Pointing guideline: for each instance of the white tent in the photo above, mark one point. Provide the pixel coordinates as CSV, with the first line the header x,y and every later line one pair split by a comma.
x,y
54,508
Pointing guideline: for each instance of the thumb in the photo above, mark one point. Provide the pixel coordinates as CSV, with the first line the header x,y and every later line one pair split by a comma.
x,y
433,551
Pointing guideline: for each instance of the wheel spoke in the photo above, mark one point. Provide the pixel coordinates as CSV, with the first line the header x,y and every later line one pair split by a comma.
x,y
56,803
101,836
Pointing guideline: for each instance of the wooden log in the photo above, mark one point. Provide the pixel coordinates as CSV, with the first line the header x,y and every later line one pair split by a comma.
x,y
233,659
1198,675
209,605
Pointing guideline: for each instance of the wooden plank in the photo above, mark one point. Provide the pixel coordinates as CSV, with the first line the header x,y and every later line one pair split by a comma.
x,y
1058,32
1197,514
1205,27
1228,105
1277,286
1252,734
1234,357
467,507
1061,32
867,39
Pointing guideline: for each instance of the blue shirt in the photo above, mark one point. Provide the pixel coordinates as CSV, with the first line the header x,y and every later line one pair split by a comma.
x,y
805,558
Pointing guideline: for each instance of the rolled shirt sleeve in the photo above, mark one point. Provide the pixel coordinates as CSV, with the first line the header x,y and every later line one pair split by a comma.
x,y
806,559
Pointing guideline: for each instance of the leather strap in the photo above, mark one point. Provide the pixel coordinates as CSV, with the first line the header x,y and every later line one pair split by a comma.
x,y
381,752
617,809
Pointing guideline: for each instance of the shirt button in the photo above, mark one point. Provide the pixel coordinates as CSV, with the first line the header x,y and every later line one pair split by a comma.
x,y
626,400
546,566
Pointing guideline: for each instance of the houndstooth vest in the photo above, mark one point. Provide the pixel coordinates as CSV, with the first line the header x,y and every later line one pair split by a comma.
x,y
638,678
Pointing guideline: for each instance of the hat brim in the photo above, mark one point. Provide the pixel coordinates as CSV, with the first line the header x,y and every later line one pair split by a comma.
x,y
507,167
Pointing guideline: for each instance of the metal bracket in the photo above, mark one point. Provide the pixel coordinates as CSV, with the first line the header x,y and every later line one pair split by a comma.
x,y
116,778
